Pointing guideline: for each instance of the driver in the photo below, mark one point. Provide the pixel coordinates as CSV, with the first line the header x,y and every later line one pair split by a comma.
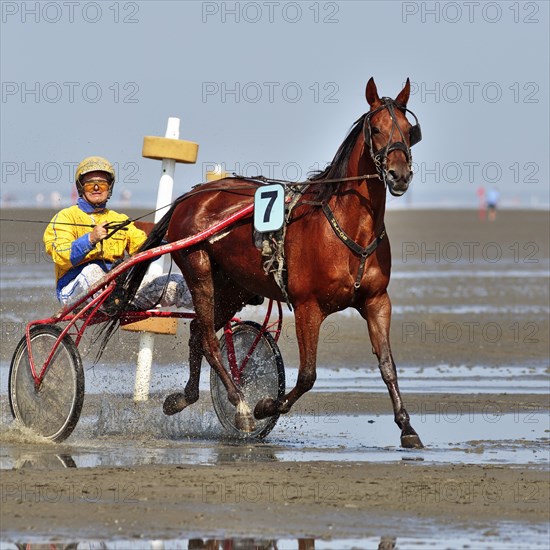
x,y
78,240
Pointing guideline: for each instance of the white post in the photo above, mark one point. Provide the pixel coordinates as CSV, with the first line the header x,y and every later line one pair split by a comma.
x,y
164,198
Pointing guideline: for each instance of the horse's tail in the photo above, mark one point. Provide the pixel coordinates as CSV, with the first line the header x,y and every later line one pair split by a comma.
x,y
128,282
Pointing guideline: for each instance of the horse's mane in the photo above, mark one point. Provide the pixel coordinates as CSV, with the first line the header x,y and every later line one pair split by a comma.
x,y
339,165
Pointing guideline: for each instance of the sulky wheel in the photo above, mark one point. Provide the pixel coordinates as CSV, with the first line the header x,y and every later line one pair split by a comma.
x,y
263,376
53,409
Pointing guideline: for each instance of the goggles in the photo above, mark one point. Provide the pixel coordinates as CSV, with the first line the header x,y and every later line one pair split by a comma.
x,y
101,184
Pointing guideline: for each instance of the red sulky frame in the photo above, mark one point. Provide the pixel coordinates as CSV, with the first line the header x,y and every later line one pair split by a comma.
x,y
90,313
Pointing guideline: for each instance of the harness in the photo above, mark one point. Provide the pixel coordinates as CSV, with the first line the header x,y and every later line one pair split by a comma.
x,y
272,244
364,252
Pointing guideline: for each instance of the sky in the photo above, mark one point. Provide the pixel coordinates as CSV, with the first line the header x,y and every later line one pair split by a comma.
x,y
272,87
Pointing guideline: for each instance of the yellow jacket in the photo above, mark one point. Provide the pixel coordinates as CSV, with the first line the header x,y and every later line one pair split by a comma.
x,y
69,245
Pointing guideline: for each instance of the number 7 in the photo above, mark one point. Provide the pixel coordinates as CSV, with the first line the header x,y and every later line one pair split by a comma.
x,y
271,195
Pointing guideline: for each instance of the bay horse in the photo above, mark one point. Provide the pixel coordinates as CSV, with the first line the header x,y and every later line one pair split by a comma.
x,y
336,256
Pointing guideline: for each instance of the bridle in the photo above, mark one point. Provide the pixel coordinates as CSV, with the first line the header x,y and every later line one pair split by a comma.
x,y
380,156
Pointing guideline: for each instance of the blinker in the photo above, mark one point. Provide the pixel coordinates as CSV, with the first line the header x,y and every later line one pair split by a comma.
x,y
415,134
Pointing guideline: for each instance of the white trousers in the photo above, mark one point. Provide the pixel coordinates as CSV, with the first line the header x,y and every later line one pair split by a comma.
x,y
164,290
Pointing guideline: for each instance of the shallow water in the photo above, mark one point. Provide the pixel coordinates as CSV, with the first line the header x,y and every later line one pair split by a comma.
x,y
114,430
123,433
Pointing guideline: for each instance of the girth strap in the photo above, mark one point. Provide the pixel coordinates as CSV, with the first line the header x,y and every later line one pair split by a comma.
x,y
364,252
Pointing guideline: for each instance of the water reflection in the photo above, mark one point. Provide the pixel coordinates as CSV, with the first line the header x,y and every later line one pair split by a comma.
x,y
239,452
44,461
385,543
369,543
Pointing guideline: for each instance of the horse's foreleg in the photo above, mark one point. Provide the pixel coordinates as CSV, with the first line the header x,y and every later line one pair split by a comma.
x,y
377,312
308,318
176,402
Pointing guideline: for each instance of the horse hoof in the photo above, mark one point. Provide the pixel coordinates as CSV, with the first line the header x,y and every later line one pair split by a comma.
x,y
411,442
256,301
264,408
174,403
244,422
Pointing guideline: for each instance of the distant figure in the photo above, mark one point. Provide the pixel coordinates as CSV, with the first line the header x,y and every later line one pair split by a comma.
x,y
55,199
493,196
482,205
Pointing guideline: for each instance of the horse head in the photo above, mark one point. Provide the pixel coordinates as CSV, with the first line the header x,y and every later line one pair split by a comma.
x,y
389,137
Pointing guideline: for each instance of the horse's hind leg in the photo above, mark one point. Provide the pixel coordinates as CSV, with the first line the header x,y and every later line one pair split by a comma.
x,y
377,312
176,402
211,312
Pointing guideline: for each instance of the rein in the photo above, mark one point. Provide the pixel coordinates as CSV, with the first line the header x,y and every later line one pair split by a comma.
x,y
47,223
114,227
313,182
121,226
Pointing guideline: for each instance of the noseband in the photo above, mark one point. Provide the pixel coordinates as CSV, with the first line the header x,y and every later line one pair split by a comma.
x,y
380,157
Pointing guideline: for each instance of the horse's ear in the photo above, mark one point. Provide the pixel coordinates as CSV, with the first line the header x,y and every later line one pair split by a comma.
x,y
371,93
404,94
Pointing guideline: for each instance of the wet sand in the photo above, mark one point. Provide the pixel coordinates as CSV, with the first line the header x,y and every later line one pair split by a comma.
x,y
270,499
494,286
